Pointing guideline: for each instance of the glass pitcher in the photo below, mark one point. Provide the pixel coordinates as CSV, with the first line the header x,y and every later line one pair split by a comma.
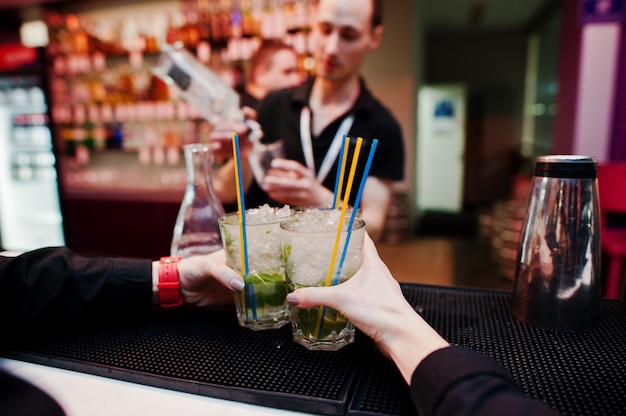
x,y
197,230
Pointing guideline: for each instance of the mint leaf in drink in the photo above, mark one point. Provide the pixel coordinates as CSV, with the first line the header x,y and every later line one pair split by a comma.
x,y
269,288
286,252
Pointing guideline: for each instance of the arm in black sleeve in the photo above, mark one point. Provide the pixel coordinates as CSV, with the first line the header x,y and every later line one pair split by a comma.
x,y
457,381
54,288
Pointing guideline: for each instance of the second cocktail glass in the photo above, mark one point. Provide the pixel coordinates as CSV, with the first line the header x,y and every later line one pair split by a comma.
x,y
308,244
261,305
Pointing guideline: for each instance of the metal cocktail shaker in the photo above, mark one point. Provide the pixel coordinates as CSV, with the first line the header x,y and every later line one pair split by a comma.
x,y
558,269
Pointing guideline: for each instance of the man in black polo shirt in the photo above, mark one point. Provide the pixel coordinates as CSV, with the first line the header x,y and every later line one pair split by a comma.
x,y
311,117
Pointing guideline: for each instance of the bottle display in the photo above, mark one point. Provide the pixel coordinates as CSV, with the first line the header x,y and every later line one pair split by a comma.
x,y
197,230
117,123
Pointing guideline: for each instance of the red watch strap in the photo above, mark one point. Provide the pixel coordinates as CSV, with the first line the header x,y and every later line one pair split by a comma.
x,y
169,284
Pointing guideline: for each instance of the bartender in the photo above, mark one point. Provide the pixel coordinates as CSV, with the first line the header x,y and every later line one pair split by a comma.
x,y
312,120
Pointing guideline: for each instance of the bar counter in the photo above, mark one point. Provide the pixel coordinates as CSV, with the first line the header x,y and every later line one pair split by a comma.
x,y
201,360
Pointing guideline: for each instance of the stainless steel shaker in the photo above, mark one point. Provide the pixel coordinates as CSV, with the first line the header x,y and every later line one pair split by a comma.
x,y
558,269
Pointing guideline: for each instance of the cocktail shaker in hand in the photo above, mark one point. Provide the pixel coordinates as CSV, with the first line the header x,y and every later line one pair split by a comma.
x,y
558,269
204,89
197,84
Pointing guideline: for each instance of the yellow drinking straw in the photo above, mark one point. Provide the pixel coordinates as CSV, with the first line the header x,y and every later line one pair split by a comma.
x,y
240,213
344,207
340,172
241,210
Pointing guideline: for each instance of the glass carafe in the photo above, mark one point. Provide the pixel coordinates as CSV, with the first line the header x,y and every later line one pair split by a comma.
x,y
197,229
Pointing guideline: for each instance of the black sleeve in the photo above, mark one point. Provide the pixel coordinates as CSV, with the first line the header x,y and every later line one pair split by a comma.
x,y
18,397
457,381
388,162
272,113
54,288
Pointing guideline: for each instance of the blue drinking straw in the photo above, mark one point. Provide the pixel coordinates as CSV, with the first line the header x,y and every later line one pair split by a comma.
x,y
242,223
357,200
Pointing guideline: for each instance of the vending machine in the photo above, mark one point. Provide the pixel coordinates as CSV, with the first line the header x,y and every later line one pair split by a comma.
x,y
30,214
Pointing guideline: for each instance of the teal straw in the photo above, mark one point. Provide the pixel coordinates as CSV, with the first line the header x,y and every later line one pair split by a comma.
x,y
242,207
357,200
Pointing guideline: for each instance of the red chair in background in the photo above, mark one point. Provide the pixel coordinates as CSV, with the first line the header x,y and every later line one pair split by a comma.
x,y
612,194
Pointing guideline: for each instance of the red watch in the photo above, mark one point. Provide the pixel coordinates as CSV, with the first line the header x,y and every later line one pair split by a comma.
x,y
169,284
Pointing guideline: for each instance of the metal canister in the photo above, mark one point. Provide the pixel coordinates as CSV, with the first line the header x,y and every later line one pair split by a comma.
x,y
558,269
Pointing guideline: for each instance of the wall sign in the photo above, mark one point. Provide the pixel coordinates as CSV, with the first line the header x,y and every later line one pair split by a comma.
x,y
599,11
14,56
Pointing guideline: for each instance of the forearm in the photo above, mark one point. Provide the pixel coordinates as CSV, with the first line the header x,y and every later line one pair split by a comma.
x,y
410,340
457,381
54,288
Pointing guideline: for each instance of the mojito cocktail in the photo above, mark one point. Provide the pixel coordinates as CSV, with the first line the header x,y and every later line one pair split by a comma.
x,y
261,304
308,244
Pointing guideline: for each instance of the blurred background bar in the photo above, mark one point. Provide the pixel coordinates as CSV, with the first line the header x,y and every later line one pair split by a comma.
x,y
480,88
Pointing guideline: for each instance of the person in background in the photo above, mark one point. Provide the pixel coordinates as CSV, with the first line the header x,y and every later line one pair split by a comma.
x,y
274,66
443,379
309,118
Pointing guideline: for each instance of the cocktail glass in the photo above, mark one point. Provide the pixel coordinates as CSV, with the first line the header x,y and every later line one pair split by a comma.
x,y
308,240
261,304
261,158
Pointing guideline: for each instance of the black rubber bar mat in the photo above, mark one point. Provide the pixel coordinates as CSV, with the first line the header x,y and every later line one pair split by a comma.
x,y
205,352
577,374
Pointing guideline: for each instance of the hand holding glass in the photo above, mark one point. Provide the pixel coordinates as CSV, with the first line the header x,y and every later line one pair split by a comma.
x,y
308,243
261,304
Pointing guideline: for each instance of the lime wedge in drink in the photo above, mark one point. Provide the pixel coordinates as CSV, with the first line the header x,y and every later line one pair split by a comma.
x,y
333,322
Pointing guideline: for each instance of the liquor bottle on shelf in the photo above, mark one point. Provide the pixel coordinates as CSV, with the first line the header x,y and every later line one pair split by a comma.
x,y
115,140
139,76
82,151
98,131
174,26
78,37
250,24
130,126
62,117
106,117
124,83
88,141
170,133
158,90
220,27
150,138
192,29
161,111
